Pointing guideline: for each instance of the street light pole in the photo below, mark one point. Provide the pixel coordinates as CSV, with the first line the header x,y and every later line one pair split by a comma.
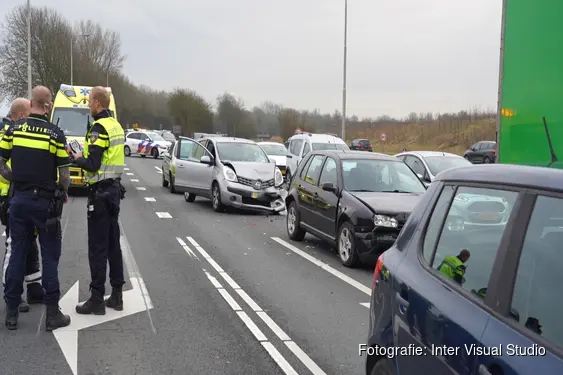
x,y
29,88
344,70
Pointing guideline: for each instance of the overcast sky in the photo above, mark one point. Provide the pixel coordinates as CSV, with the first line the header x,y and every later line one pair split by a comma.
x,y
403,55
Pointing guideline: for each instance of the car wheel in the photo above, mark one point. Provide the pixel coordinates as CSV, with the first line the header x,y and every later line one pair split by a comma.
x,y
171,186
216,198
347,245
189,197
487,160
293,223
164,182
154,153
127,151
382,367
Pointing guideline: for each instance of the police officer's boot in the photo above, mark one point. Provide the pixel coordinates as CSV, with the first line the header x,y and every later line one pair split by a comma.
x,y
35,293
55,318
115,301
95,305
12,315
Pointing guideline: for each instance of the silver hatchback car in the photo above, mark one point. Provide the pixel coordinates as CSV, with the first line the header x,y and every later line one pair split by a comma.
x,y
230,171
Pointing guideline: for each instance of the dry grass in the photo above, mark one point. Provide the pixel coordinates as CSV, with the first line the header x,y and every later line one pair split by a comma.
x,y
452,135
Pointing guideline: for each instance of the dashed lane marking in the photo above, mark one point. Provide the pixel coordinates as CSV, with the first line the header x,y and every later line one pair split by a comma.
x,y
158,170
126,169
347,279
164,215
274,353
260,336
365,304
130,174
141,188
150,199
134,180
187,248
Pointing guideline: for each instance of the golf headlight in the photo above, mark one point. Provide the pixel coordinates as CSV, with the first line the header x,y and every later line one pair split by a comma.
x,y
278,177
385,221
230,175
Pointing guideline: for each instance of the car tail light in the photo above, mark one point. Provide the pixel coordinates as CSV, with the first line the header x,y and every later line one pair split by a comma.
x,y
377,270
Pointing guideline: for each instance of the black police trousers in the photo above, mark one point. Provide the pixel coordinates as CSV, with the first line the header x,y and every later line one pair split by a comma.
x,y
32,266
103,236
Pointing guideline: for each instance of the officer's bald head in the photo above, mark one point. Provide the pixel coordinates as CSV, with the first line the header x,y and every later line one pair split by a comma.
x,y
99,99
20,109
41,100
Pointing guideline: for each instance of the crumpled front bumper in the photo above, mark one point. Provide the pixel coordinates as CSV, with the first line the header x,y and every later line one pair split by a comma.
x,y
247,198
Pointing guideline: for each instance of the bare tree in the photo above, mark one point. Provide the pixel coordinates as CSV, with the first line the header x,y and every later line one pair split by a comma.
x,y
191,111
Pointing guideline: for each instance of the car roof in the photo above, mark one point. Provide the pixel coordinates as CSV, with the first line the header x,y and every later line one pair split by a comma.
x,y
425,154
319,138
229,140
507,174
346,155
271,143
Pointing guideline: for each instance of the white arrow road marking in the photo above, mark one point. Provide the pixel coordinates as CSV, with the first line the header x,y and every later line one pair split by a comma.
x,y
150,199
135,301
365,304
347,279
158,170
134,180
187,248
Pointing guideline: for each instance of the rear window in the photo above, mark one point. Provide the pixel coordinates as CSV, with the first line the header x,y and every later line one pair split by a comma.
x,y
330,146
365,142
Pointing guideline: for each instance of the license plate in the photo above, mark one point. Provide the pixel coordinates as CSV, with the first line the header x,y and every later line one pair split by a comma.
x,y
254,195
487,216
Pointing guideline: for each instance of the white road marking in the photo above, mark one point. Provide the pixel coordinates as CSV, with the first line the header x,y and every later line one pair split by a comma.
x,y
347,279
158,169
126,169
187,248
150,199
365,304
141,188
299,353
164,215
4,234
230,300
134,180
130,174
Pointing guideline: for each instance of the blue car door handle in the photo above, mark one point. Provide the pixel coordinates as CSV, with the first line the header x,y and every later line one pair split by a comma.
x,y
403,303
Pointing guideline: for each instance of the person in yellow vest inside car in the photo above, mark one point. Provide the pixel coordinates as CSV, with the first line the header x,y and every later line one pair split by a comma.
x,y
103,162
19,111
453,267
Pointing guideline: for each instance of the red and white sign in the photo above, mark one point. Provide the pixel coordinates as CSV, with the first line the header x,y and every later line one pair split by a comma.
x,y
383,137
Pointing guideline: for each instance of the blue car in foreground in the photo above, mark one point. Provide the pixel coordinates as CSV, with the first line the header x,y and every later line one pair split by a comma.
x,y
499,312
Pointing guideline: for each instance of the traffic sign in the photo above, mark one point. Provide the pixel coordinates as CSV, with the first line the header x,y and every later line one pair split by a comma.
x,y
383,137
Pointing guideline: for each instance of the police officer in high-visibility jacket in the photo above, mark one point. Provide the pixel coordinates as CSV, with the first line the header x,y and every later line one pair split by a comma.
x,y
103,160
19,111
453,267
36,149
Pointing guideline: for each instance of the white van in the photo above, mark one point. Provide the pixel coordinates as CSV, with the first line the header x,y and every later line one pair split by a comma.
x,y
301,144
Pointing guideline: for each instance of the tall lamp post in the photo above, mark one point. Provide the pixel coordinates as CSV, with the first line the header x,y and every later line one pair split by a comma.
x,y
29,88
344,70
72,55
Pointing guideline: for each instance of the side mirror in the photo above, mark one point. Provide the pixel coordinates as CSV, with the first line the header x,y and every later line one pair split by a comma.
x,y
205,159
328,186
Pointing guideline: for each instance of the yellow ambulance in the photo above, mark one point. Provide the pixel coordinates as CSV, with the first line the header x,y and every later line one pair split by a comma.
x,y
72,115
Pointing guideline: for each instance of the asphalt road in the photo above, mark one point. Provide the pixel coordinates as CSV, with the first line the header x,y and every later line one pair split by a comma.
x,y
208,294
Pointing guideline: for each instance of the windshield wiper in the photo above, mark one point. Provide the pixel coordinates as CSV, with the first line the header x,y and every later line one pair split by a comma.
x,y
363,191
395,191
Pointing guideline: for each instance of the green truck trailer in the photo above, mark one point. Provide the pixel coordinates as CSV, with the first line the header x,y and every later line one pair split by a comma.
x,y
530,102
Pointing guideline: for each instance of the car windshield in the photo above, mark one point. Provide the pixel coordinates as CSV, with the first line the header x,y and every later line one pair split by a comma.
x,y
437,164
169,137
248,152
330,146
155,137
274,149
72,121
373,175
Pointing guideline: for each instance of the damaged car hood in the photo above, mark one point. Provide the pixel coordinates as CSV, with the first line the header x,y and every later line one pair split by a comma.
x,y
254,171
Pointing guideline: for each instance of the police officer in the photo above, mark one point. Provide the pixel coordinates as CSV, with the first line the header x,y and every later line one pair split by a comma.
x,y
36,149
454,267
19,111
103,161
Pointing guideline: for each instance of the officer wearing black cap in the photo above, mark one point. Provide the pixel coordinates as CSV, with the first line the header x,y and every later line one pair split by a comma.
x,y
37,150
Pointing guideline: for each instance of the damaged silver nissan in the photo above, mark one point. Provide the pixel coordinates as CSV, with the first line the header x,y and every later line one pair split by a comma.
x,y
232,172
